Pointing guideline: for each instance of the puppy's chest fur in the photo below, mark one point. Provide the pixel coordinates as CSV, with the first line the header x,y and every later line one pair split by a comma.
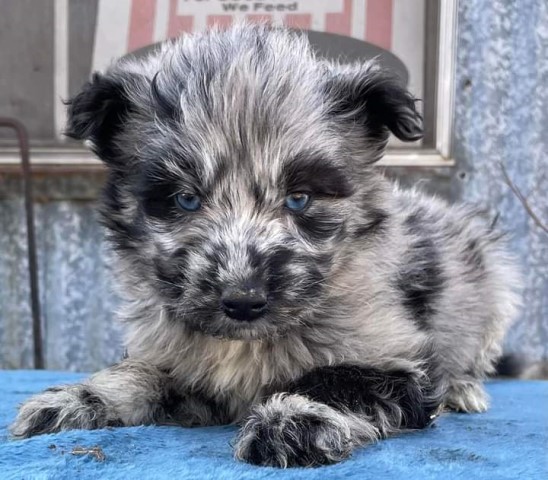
x,y
238,373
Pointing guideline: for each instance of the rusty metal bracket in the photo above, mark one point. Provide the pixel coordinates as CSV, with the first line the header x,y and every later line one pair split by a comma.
x,y
23,139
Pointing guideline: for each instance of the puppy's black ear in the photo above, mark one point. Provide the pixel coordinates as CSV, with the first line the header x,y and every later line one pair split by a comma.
x,y
375,100
97,114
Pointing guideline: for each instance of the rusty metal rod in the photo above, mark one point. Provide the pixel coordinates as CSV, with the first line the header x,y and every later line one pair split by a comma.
x,y
23,138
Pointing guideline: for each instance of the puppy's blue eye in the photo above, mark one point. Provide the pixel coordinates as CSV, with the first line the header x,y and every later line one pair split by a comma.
x,y
297,201
188,202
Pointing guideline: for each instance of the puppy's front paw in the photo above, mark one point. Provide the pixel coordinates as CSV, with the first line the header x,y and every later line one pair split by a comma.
x,y
61,408
467,396
290,430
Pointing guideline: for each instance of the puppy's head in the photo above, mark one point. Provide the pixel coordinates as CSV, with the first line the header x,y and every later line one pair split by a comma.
x,y
240,174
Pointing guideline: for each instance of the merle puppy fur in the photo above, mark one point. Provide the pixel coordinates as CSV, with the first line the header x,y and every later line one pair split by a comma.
x,y
271,276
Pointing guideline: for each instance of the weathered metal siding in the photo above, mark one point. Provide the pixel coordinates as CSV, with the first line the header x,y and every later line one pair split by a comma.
x,y
76,293
501,115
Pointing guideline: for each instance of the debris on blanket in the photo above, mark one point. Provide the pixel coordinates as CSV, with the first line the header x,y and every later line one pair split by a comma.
x,y
96,452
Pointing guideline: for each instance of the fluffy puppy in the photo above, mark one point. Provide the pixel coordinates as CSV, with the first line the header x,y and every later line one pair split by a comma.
x,y
270,275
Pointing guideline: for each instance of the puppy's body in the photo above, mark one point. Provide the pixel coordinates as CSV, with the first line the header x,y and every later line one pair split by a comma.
x,y
424,285
321,327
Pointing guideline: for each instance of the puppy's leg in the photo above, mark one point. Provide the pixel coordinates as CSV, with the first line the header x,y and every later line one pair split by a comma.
x,y
331,410
130,393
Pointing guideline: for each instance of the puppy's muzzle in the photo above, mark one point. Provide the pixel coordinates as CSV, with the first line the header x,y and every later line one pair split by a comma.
x,y
244,303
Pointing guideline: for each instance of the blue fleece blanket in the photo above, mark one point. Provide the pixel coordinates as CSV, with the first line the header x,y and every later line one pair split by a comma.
x,y
508,442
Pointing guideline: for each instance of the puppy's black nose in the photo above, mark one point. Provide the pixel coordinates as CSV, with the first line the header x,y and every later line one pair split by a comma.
x,y
244,303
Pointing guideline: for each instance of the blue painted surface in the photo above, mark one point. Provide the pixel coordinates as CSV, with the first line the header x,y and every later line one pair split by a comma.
x,y
508,442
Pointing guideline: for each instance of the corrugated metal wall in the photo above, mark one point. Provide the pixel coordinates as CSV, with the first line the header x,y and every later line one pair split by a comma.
x,y
76,292
501,115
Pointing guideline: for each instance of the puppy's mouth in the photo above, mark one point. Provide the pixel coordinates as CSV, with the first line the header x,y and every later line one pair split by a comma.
x,y
216,323
230,329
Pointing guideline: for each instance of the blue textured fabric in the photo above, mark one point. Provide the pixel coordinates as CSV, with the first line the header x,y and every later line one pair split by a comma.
x,y
508,442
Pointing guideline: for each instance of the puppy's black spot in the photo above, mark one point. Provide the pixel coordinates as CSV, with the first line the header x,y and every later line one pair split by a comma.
x,y
123,236
278,277
473,256
216,254
114,423
279,258
258,194
420,277
209,282
376,221
262,450
314,282
171,400
421,281
222,168
363,390
324,261
167,107
303,450
296,440
319,223
415,221
171,274
44,421
254,257
309,172
123,232
97,410
90,399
